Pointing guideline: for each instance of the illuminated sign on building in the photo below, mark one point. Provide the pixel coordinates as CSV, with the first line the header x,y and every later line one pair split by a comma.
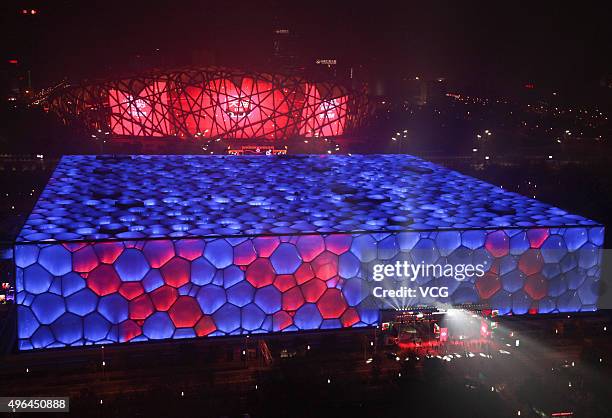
x,y
137,108
328,109
238,108
326,61
257,150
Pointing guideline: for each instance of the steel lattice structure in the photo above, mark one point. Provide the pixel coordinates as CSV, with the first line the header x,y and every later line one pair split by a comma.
x,y
213,102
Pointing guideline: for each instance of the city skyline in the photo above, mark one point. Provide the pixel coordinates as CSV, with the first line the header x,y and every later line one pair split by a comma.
x,y
486,48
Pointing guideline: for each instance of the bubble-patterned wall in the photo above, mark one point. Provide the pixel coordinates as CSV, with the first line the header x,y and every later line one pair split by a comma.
x,y
151,247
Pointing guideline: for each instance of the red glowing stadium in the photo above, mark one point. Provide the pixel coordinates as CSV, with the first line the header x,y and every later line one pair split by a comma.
x,y
212,102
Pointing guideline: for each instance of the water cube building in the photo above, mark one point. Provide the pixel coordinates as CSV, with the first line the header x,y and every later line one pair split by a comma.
x,y
140,248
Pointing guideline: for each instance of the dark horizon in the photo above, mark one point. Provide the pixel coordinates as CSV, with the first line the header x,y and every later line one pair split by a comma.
x,y
488,49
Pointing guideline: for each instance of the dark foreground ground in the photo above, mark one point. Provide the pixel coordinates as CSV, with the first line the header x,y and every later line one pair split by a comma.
x,y
561,365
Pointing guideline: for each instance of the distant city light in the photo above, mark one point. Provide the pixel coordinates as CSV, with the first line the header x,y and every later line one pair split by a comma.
x,y
326,61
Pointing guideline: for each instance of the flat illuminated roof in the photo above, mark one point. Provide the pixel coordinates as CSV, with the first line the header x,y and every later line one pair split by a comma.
x,y
140,197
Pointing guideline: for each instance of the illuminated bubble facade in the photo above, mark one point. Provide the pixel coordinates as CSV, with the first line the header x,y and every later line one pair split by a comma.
x,y
213,103
156,247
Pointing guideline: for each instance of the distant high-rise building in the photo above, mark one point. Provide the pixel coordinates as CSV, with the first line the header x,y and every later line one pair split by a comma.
x,y
436,90
284,47
14,79
328,65
606,81
423,91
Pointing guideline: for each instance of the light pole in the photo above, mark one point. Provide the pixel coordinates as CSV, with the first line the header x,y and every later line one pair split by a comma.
x,y
101,137
103,365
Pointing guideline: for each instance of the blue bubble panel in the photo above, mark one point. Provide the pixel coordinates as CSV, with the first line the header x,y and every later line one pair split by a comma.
x,y
169,247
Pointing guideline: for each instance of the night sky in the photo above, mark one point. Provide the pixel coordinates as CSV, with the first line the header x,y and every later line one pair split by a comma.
x,y
495,45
